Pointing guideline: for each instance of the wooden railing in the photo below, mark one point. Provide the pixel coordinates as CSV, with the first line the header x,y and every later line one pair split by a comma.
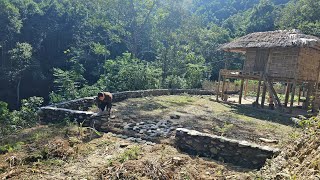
x,y
240,74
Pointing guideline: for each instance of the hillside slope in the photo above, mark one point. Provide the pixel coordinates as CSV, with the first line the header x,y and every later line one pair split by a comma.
x,y
300,160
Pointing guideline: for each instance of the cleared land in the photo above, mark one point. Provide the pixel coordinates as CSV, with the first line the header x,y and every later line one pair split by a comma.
x,y
67,151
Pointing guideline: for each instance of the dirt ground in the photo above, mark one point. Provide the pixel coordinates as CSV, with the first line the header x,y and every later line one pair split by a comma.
x,y
200,113
67,151
105,157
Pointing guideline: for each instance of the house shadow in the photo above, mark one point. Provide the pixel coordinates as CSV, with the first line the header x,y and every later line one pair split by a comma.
x,y
263,114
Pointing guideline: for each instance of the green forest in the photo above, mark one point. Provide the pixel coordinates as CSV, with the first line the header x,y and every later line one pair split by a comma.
x,y
66,49
57,56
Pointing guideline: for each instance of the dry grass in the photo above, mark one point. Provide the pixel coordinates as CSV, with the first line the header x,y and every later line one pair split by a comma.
x,y
60,152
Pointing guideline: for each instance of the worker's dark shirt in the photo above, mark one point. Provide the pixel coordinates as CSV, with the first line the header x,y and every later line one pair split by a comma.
x,y
106,101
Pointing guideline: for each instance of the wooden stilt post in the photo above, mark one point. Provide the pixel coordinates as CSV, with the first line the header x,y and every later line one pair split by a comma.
x,y
292,96
258,90
241,89
246,89
299,97
218,88
264,91
308,94
286,99
223,86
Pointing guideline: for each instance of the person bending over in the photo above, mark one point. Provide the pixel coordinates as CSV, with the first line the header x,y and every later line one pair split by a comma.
x,y
104,102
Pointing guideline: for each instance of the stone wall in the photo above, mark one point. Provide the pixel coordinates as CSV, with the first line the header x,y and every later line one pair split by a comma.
x,y
158,92
57,115
82,104
239,153
77,109
85,103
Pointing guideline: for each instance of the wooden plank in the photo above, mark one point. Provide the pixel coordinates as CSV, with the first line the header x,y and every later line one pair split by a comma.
x,y
273,92
241,89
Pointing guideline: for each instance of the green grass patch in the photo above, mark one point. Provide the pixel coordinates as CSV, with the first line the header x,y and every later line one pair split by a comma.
x,y
176,100
11,147
224,129
129,154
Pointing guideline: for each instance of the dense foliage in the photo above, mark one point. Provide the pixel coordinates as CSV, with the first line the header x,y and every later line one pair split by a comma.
x,y
64,49
26,117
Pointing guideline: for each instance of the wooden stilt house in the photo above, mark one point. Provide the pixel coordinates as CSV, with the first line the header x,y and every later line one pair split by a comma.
x,y
286,56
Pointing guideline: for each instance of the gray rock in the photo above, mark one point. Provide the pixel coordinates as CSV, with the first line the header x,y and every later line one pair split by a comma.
x,y
142,131
149,131
148,143
131,124
174,116
136,128
127,127
130,138
133,117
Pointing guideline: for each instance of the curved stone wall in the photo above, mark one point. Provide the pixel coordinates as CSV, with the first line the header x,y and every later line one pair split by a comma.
x,y
239,153
77,109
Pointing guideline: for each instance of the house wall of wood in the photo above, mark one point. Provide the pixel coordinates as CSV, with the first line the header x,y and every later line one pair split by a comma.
x,y
308,64
256,60
283,62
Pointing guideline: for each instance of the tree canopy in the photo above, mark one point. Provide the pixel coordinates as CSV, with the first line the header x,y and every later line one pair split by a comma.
x,y
64,49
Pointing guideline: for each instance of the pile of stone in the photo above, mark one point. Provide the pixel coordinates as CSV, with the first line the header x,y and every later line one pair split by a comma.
x,y
162,128
133,139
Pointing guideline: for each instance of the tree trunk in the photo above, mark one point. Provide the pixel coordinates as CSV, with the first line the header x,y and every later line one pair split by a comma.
x,y
18,91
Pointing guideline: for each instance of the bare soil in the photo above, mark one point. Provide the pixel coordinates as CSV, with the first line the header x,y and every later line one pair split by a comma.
x,y
67,151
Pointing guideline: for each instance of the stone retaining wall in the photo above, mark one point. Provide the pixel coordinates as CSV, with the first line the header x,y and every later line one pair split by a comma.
x,y
77,109
239,153
82,104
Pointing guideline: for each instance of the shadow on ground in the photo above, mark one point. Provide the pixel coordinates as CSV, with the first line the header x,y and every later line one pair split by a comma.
x,y
266,115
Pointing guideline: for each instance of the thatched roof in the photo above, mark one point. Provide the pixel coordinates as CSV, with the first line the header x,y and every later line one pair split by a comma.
x,y
272,39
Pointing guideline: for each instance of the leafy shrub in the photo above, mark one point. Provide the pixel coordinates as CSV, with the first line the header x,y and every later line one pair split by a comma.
x,y
5,118
175,82
128,73
27,116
